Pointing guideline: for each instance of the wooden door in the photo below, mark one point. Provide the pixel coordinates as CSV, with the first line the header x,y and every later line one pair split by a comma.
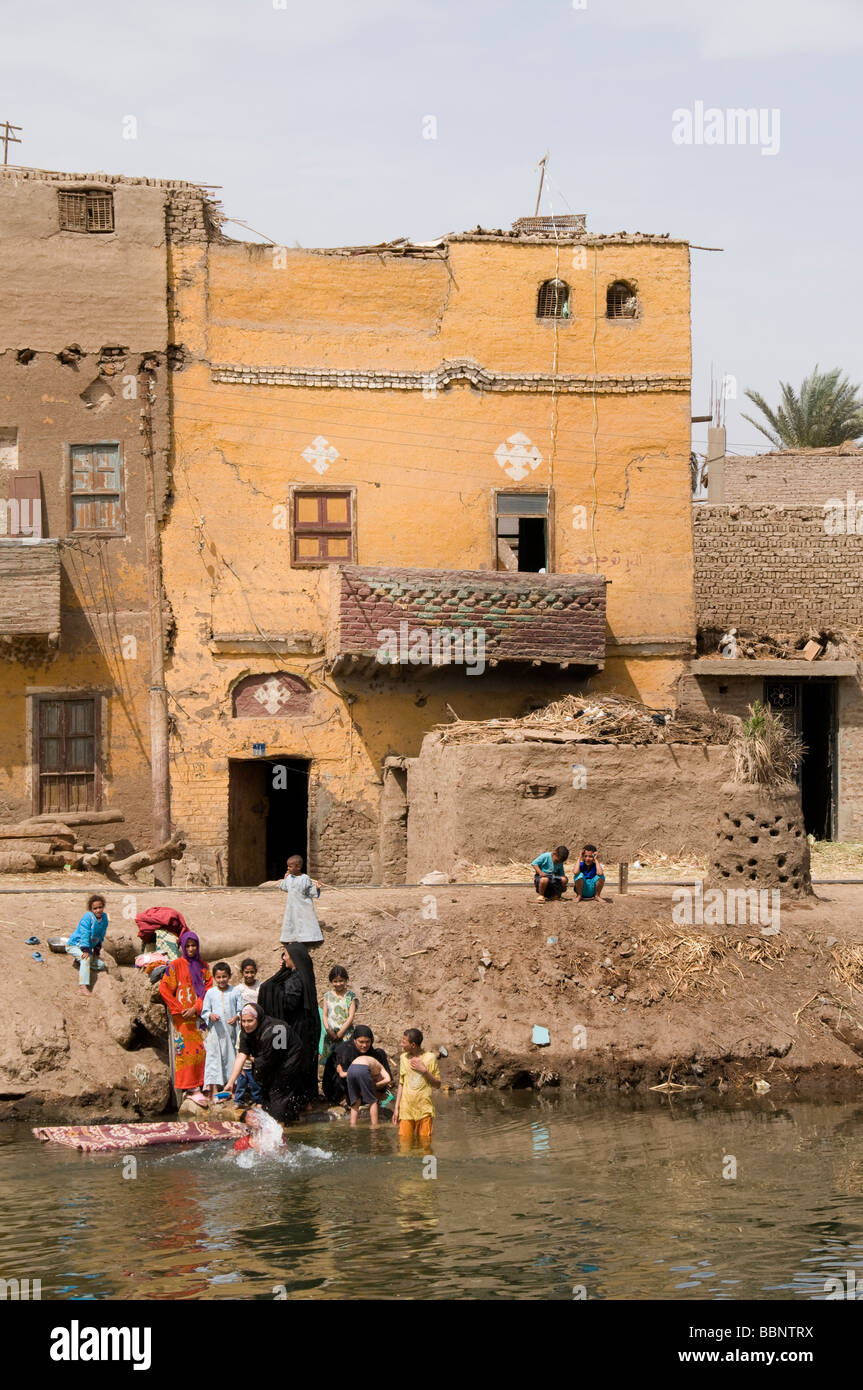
x,y
66,754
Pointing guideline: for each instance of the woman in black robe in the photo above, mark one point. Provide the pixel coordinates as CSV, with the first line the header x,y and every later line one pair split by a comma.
x,y
292,996
335,1086
278,1060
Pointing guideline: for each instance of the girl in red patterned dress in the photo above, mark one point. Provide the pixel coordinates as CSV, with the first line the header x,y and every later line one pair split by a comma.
x,y
183,986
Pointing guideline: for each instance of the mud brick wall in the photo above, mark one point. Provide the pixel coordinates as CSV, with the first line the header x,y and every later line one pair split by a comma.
x,y
489,803
792,479
190,216
29,587
524,616
343,845
775,569
850,749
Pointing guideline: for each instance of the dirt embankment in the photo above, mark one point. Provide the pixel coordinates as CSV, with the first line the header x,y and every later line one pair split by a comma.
x,y
629,999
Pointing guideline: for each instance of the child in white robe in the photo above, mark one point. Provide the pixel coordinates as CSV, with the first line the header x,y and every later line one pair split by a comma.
x,y
220,1011
300,921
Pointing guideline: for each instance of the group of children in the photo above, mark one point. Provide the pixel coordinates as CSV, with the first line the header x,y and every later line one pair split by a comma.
x,y
367,1078
550,880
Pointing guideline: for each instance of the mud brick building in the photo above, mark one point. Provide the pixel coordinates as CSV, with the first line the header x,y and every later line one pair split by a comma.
x,y
779,556
479,434
84,350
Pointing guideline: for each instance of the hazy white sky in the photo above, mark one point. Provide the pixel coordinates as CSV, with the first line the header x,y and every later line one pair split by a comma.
x,y
310,114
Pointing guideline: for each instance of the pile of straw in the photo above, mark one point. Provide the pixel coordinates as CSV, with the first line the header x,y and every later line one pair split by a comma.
x,y
591,719
691,959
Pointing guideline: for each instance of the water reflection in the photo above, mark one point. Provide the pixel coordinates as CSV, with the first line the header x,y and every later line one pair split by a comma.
x,y
523,1197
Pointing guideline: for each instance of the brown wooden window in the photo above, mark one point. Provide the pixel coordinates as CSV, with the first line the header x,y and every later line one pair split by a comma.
x,y
87,211
552,302
66,753
323,527
96,489
621,301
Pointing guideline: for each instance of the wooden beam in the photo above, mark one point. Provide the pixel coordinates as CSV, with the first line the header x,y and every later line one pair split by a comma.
x,y
29,830
78,818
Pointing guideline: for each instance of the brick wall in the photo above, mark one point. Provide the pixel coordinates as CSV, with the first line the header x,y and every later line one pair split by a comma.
x,y
524,616
775,569
792,479
29,587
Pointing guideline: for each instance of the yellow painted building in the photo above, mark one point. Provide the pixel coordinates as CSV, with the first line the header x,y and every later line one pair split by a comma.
x,y
495,424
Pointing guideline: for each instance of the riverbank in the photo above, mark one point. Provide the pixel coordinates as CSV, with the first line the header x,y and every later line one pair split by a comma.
x,y
629,999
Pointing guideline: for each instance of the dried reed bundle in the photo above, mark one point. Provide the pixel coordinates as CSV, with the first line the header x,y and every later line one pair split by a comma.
x,y
766,751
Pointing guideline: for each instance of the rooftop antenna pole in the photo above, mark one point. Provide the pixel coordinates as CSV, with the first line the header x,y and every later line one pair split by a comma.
x,y
541,165
8,138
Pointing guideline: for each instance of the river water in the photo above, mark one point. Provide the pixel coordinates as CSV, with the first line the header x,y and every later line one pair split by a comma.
x,y
533,1198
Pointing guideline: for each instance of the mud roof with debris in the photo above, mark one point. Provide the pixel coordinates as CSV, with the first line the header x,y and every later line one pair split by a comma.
x,y
592,719
816,644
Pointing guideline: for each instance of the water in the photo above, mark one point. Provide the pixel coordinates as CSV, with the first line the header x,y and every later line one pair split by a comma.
x,y
534,1198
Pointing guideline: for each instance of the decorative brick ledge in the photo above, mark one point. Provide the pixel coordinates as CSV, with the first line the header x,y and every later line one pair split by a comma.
x,y
556,619
439,378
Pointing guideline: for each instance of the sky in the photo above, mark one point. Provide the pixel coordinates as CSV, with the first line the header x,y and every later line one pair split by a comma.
x,y
333,122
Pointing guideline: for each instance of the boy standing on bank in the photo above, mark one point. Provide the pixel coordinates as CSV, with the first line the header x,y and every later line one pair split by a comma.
x,y
419,1078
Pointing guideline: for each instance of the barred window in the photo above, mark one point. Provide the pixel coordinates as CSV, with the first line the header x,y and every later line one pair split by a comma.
x,y
88,211
621,301
553,300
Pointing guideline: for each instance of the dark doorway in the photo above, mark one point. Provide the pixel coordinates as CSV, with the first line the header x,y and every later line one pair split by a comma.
x,y
809,706
818,731
268,810
531,544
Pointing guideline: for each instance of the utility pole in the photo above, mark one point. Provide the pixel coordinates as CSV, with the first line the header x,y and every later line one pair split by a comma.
x,y
160,770
8,138
541,165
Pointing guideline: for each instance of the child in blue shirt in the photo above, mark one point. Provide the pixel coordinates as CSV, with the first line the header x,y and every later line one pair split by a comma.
x,y
590,879
549,878
85,943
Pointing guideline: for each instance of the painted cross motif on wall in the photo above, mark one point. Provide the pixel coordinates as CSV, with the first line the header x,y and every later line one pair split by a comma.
x,y
518,456
271,696
320,454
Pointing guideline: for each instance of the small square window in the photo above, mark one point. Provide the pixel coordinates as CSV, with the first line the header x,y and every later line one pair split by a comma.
x,y
96,489
87,211
323,527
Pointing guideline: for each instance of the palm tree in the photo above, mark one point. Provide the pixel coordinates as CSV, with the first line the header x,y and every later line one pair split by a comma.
x,y
826,411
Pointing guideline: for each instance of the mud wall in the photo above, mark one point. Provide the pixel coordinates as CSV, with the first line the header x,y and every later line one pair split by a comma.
x,y
792,478
489,803
774,569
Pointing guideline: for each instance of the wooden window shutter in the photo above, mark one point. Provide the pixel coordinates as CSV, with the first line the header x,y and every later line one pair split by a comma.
x,y
25,509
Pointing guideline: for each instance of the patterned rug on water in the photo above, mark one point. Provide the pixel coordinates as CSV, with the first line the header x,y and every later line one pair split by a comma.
x,y
103,1138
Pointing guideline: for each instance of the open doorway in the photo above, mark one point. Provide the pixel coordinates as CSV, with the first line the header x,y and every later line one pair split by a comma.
x,y
818,731
809,707
268,813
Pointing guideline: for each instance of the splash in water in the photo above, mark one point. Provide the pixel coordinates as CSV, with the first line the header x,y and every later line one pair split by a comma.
x,y
267,1134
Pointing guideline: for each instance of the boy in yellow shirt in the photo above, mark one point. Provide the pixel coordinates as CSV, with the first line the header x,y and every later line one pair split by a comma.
x,y
419,1077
